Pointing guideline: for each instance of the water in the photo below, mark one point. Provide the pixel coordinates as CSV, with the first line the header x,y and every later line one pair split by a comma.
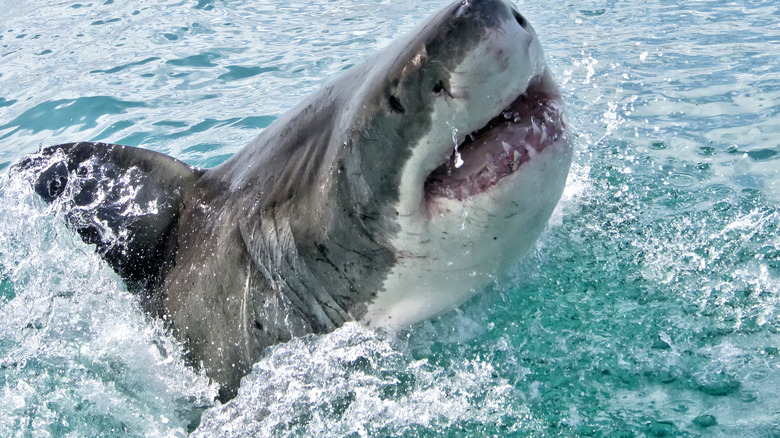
x,y
650,307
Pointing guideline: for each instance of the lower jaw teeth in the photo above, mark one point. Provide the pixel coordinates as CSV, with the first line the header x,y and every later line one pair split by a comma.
x,y
516,159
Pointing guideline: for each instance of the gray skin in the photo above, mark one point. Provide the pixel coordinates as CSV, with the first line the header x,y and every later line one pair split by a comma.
x,y
292,235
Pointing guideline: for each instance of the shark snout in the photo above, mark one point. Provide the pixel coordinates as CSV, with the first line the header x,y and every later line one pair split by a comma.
x,y
490,11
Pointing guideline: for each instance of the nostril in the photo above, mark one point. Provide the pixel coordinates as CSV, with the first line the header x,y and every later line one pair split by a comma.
x,y
520,19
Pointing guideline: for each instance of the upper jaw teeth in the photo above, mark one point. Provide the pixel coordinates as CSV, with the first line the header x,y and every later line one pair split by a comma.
x,y
507,147
518,136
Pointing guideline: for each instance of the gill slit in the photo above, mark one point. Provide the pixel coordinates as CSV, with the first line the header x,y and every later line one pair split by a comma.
x,y
245,309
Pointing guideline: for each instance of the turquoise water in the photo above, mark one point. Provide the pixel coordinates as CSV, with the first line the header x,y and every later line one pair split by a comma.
x,y
651,306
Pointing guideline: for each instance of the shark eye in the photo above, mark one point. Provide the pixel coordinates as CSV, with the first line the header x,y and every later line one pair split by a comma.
x,y
438,87
395,104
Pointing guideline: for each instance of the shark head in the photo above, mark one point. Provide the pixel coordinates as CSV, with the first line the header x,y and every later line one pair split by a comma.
x,y
469,155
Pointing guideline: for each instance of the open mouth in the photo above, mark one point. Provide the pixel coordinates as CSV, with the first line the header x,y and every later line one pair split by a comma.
x,y
525,128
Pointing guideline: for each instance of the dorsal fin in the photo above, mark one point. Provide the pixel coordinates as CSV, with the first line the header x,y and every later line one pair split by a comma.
x,y
124,199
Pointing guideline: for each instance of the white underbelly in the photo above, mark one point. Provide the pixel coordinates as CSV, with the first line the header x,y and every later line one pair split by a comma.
x,y
445,260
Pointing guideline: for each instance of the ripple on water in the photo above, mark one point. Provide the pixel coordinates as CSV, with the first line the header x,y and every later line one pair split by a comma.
x,y
650,308
60,114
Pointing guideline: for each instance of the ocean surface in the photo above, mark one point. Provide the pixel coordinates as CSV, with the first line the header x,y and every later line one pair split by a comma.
x,y
650,307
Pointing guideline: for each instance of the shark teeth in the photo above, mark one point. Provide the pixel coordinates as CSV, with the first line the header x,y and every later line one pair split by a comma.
x,y
515,136
507,147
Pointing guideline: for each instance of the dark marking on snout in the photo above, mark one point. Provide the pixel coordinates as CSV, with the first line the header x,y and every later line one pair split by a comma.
x,y
520,19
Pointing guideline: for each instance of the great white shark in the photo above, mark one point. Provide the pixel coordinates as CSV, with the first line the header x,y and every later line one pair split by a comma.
x,y
396,192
